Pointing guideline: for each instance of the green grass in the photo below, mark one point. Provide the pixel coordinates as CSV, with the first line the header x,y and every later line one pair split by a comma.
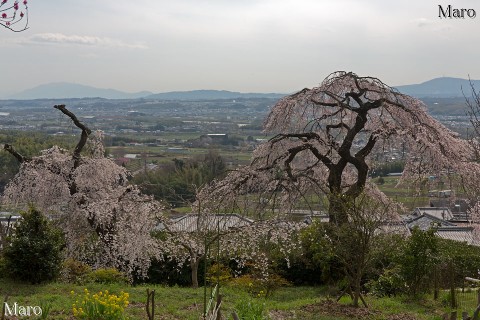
x,y
187,303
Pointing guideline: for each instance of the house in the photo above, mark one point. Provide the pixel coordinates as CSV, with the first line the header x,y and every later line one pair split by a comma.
x,y
462,234
213,222
446,225
458,207
427,221
442,213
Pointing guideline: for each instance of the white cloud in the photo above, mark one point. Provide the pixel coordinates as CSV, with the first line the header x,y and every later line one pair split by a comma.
x,y
247,45
423,22
81,40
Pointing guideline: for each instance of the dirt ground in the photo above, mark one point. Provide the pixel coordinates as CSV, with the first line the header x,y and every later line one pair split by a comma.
x,y
332,308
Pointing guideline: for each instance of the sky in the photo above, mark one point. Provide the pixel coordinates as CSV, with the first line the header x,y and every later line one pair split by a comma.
x,y
238,45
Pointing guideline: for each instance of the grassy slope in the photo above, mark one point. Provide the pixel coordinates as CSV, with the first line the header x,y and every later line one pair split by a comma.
x,y
187,303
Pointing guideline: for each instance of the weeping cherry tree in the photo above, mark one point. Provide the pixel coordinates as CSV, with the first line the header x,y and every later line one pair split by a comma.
x,y
107,221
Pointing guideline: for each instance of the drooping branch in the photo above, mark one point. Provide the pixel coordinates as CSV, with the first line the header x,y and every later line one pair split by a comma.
x,y
13,152
324,138
84,136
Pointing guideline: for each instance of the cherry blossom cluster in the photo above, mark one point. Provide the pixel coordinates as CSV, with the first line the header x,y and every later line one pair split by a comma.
x,y
244,243
14,14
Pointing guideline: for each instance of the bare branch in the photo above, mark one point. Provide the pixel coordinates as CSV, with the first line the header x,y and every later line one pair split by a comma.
x,y
13,152
85,132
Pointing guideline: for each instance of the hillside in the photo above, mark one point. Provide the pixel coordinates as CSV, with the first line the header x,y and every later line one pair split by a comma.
x,y
440,88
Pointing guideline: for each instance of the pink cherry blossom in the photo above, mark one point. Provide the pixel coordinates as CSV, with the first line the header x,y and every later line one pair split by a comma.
x,y
323,144
9,18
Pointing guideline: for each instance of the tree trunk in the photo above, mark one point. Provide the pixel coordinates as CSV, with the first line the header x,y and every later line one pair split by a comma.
x,y
194,262
356,291
336,209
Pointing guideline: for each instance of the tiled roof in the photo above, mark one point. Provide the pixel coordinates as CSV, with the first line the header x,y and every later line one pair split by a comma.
x,y
394,227
427,221
193,222
443,213
462,234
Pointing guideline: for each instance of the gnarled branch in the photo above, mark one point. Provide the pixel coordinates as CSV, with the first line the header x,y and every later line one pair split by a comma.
x,y
83,138
13,152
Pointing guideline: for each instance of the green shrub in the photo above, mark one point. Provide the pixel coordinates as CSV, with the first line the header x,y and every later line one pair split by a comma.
x,y
34,253
246,283
259,287
107,276
319,253
218,272
74,271
418,259
389,283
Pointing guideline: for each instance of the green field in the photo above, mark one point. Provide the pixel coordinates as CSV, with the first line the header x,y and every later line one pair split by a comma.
x,y
187,303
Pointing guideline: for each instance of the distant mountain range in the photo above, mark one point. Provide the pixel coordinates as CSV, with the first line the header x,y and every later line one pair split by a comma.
x,y
444,87
71,90
436,88
62,90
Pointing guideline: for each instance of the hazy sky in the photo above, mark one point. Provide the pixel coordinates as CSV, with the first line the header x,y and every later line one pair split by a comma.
x,y
238,45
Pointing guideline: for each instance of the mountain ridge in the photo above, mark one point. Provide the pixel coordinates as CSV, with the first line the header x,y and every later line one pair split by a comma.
x,y
444,87
68,90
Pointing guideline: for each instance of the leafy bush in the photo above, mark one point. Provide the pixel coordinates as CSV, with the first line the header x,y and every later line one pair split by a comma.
x,y
464,260
319,252
259,287
385,271
107,276
389,283
74,271
218,272
100,306
34,253
418,259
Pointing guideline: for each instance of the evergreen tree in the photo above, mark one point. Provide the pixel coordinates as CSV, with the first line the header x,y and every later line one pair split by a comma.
x,y
34,253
